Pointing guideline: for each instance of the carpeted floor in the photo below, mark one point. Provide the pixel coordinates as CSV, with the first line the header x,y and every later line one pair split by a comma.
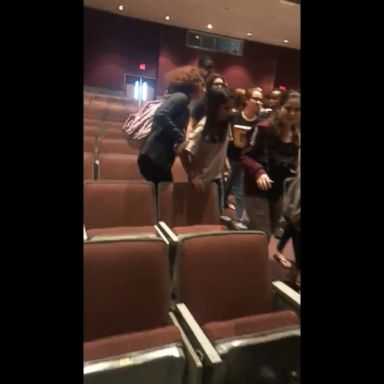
x,y
277,271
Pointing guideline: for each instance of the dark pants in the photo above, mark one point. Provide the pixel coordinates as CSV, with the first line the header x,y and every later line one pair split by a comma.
x,y
220,194
291,232
152,171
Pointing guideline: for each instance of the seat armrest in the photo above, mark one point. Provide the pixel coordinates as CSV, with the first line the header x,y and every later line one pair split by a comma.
x,y
167,232
284,297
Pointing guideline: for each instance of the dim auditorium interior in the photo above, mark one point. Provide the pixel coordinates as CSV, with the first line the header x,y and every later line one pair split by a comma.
x,y
175,290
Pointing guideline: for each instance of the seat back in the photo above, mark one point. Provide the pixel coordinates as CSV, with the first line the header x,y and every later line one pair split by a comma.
x,y
114,133
91,131
178,171
116,166
126,287
89,144
119,204
224,275
88,164
180,205
107,145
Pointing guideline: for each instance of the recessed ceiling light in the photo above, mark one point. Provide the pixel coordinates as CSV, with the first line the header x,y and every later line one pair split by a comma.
x,y
249,34
210,26
197,37
286,41
167,18
121,7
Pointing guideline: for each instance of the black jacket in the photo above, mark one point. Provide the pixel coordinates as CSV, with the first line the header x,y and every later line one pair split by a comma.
x,y
168,130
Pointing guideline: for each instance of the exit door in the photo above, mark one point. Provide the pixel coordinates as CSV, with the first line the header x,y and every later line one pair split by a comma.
x,y
139,88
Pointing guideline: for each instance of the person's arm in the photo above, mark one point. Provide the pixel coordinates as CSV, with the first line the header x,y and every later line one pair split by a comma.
x,y
185,160
253,158
164,115
189,159
191,124
190,151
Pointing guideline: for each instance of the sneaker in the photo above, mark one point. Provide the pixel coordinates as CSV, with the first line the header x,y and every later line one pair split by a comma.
x,y
241,226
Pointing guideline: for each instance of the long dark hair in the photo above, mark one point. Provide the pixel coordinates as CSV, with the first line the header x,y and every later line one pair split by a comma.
x,y
276,126
214,130
211,78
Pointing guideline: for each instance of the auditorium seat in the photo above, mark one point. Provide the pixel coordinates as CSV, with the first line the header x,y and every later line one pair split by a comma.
x,y
185,211
91,122
224,296
113,208
107,145
91,131
113,125
89,166
89,144
129,336
116,166
178,172
114,133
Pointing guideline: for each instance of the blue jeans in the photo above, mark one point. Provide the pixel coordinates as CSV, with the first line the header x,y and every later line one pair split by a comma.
x,y
236,184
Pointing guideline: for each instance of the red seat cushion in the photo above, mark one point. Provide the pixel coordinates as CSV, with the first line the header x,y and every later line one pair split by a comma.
x,y
118,345
198,228
250,324
120,231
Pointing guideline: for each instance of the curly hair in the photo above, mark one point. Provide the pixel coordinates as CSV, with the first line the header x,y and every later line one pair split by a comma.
x,y
185,79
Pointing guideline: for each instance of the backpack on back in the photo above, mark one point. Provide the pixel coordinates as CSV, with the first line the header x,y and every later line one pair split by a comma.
x,y
138,126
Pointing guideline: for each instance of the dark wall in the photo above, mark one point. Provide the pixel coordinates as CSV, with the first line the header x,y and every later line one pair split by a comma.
x,y
257,66
114,45
288,68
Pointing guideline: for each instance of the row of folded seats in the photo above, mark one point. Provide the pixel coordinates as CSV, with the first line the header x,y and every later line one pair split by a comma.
x,y
109,162
227,322
130,207
108,145
107,108
101,129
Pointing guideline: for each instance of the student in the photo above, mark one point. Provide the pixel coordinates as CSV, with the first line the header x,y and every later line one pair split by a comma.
x,y
169,124
246,116
206,66
270,103
272,159
292,215
198,109
205,151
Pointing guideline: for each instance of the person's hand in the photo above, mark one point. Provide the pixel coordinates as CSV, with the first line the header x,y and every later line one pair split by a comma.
x,y
264,182
198,185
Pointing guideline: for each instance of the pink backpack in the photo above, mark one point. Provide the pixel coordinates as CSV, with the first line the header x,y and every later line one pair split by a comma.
x,y
138,126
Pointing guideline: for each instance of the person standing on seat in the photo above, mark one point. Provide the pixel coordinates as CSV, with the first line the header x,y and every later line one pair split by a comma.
x,y
246,116
205,150
169,124
272,159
